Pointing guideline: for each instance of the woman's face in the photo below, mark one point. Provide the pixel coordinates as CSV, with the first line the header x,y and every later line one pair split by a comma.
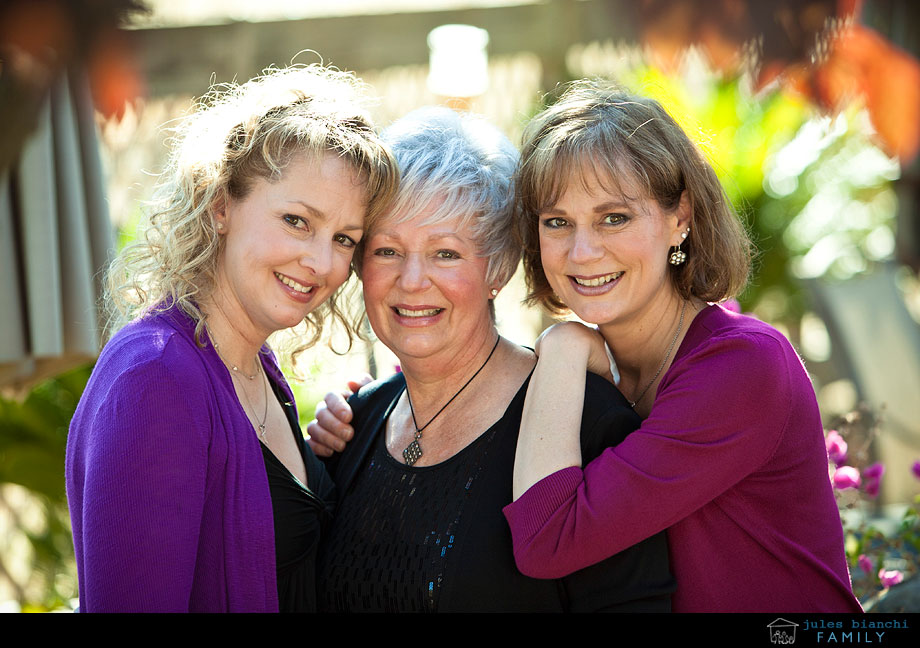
x,y
425,289
606,256
288,244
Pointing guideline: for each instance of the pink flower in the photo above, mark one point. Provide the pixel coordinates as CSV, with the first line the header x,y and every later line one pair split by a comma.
x,y
890,577
846,477
872,476
836,447
916,469
865,563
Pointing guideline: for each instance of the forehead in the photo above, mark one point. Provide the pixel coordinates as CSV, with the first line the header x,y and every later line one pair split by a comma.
x,y
421,227
433,217
600,179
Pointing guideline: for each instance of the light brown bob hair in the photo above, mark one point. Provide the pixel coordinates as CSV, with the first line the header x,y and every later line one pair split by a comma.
x,y
598,130
238,134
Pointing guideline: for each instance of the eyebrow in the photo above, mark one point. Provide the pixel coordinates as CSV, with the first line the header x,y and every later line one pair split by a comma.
x,y
389,233
597,209
322,215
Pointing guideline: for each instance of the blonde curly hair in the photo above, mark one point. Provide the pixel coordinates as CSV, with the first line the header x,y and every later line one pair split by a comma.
x,y
237,134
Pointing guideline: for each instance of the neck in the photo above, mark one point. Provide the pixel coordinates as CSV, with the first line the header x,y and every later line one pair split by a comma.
x,y
431,383
639,346
238,346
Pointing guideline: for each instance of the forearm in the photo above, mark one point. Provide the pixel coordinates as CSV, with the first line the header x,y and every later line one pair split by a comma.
x,y
551,422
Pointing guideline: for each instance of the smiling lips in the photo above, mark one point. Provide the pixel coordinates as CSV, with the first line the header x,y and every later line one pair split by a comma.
x,y
294,285
594,282
416,312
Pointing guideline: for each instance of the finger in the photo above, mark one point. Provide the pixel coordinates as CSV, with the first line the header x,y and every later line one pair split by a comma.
x,y
323,439
336,404
359,382
326,421
319,450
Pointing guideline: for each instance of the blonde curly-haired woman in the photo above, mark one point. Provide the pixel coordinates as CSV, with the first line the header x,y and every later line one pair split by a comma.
x,y
189,482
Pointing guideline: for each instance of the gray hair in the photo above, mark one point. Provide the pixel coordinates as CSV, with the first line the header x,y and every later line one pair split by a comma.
x,y
461,165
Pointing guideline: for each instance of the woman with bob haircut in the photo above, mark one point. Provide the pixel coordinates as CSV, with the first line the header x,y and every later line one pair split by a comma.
x,y
625,223
189,482
419,524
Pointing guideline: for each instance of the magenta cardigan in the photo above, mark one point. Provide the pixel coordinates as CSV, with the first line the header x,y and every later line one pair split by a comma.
x,y
166,483
731,461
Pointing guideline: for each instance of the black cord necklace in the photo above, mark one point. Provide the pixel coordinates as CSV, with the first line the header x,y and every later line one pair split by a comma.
x,y
413,451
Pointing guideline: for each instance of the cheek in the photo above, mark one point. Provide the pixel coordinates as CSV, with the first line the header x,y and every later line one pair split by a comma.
x,y
469,289
552,257
373,283
341,266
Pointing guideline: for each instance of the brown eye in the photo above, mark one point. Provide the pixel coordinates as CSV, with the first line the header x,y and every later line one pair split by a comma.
x,y
554,222
615,219
345,241
295,221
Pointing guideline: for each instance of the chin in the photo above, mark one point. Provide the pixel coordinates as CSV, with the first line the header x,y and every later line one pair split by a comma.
x,y
593,316
291,320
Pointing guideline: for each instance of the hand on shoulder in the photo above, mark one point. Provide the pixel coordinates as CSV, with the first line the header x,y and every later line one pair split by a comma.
x,y
578,342
330,431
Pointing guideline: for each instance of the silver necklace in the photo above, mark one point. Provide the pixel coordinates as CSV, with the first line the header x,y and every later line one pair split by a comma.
x,y
680,326
259,370
261,422
230,364
413,451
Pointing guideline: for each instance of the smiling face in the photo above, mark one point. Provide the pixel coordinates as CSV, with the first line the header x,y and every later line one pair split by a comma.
x,y
605,255
288,245
425,290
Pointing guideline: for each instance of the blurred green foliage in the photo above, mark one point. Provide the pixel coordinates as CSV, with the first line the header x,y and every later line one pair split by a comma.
x,y
814,191
33,438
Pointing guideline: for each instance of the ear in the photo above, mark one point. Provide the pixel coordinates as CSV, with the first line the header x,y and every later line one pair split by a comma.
x,y
219,215
681,219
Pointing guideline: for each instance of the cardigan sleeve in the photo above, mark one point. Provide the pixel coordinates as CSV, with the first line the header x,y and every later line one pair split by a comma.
x,y
138,460
637,579
719,414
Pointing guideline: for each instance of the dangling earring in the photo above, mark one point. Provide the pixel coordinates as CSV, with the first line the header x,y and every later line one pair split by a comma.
x,y
678,256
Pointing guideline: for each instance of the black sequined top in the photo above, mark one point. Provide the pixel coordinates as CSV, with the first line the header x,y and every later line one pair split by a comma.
x,y
434,539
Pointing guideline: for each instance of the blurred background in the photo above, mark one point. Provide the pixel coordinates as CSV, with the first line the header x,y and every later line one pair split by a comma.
x,y
809,111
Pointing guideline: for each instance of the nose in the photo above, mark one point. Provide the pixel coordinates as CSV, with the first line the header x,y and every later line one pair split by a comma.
x,y
413,274
586,246
317,256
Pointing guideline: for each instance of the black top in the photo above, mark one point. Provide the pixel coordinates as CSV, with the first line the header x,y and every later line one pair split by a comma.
x,y
434,538
301,514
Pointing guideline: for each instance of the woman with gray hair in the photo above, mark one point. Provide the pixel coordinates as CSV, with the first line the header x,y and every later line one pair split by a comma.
x,y
419,523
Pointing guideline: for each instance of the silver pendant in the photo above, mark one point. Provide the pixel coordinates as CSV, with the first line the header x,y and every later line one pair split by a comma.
x,y
412,453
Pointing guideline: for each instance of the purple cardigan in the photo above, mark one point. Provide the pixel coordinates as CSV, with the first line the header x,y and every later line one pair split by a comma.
x,y
731,461
166,483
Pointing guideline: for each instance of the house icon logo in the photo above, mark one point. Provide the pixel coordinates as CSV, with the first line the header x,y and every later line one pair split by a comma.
x,y
782,631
